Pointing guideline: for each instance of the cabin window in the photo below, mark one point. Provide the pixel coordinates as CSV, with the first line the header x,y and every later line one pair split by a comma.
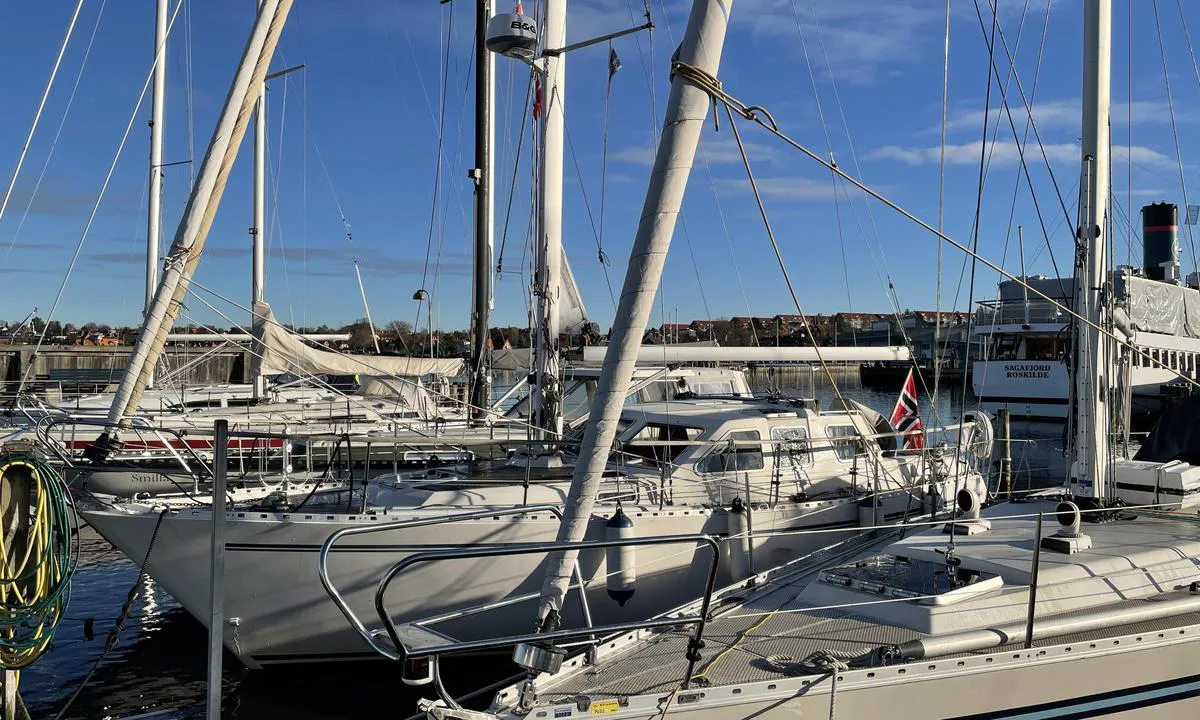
x,y
657,391
712,388
790,445
735,457
648,442
1005,347
1040,348
845,441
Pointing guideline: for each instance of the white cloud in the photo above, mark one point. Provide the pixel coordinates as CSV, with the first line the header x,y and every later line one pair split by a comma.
x,y
1063,113
717,150
852,41
794,188
1141,155
1002,153
1005,152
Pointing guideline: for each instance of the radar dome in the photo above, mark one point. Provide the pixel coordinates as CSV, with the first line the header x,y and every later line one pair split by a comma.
x,y
513,35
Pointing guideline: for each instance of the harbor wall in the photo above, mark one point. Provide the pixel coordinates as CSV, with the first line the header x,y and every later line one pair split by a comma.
x,y
205,366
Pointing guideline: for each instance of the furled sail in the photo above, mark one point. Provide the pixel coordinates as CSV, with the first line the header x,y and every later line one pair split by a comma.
x,y
572,315
277,352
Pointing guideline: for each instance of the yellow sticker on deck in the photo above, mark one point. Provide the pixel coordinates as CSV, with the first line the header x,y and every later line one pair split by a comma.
x,y
604,707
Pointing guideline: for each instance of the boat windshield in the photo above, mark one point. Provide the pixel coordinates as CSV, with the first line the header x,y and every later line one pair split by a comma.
x,y
648,442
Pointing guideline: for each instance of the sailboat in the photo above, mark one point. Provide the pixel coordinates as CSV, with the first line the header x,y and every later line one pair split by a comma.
x,y
1076,602
170,420
682,467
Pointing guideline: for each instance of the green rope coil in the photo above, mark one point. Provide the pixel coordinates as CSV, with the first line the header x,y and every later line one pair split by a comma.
x,y
36,568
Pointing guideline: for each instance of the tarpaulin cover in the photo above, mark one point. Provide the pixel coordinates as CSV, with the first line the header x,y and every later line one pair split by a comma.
x,y
279,352
1160,307
1176,435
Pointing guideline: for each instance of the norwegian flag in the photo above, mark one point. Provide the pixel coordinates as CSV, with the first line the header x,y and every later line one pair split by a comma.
x,y
537,98
906,418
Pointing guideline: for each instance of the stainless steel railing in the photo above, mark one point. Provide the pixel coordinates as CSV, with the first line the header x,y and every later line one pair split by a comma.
x,y
395,653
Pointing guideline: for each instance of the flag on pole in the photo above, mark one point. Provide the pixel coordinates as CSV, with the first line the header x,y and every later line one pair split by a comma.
x,y
906,417
614,62
537,98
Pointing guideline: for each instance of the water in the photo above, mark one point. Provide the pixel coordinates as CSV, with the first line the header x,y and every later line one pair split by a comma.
x,y
160,659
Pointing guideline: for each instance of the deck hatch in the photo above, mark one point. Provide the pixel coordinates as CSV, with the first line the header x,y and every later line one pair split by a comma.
x,y
900,577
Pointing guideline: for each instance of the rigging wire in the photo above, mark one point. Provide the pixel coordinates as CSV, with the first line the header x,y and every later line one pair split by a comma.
x,y
1028,104
468,80
275,173
1129,117
941,214
57,134
837,206
880,271
779,255
37,115
512,186
188,66
362,291
99,199
989,145
1020,145
764,119
444,81
983,167
1162,53
604,262
612,72
762,210
712,184
737,270
1023,142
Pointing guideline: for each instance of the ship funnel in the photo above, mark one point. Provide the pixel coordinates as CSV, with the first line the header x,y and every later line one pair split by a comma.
x,y
1160,242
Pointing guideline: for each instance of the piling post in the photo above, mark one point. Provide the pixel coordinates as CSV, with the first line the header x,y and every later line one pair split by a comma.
x,y
216,579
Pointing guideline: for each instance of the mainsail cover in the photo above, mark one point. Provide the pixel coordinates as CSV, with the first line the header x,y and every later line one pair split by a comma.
x,y
409,394
572,315
277,352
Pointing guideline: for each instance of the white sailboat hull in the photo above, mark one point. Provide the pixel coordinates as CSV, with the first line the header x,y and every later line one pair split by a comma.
x,y
284,615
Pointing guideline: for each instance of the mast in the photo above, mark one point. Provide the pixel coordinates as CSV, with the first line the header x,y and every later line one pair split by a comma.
x,y
686,111
547,392
258,233
482,174
197,217
1093,367
157,113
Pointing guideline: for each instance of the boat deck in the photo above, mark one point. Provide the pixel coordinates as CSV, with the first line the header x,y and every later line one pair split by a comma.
x,y
763,636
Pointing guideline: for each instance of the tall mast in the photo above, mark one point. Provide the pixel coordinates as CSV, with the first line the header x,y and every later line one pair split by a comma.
x,y
157,113
482,175
258,232
547,401
1093,367
197,218
686,110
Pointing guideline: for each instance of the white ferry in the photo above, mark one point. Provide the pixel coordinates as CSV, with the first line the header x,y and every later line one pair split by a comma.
x,y
1027,338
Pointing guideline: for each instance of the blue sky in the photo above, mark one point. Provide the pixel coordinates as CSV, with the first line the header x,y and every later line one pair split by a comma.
x,y
358,130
